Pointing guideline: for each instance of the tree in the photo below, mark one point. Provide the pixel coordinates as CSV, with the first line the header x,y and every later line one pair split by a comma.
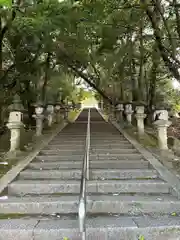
x,y
124,49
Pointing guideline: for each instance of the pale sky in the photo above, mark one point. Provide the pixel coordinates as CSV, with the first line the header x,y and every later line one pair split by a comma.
x,y
175,84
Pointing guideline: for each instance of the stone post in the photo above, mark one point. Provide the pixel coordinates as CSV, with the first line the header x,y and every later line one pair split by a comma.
x,y
120,109
140,116
50,115
39,116
128,112
15,128
62,112
58,113
15,124
66,110
113,112
162,124
101,105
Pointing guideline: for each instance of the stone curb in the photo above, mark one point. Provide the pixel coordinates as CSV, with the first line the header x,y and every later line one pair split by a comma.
x,y
172,180
14,171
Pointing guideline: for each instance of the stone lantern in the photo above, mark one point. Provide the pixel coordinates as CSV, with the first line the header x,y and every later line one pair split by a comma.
x,y
39,116
101,104
162,124
129,112
140,116
57,111
67,107
50,113
120,109
15,123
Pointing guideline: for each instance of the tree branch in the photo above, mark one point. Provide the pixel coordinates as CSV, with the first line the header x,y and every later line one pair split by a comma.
x,y
173,68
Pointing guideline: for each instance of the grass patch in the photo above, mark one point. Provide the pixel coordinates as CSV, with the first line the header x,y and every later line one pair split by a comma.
x,y
26,137
12,216
5,163
145,178
146,140
72,114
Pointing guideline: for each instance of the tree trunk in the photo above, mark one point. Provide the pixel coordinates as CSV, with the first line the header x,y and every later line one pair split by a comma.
x,y
172,63
160,12
153,81
132,71
141,68
46,77
134,85
176,8
1,39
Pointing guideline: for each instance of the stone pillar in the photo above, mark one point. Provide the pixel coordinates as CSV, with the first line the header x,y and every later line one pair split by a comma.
x,y
58,115
50,115
120,109
58,112
113,112
62,112
128,112
101,105
162,124
140,116
39,116
15,124
66,113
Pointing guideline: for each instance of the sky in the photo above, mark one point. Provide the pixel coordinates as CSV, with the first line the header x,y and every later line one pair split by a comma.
x,y
176,84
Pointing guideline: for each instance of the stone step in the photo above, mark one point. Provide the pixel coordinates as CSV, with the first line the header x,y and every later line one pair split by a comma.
x,y
62,151
93,138
24,187
114,151
94,174
80,141
126,153
70,135
100,228
93,146
117,149
94,157
105,164
93,133
122,204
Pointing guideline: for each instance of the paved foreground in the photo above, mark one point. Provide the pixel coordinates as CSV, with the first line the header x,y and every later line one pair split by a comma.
x,y
127,198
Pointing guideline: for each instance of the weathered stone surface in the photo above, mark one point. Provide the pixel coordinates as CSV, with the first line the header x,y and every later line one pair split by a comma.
x,y
98,164
125,199
17,229
100,174
24,187
99,228
120,204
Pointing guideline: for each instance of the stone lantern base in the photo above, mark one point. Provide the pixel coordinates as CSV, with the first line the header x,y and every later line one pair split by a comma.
x,y
15,129
162,126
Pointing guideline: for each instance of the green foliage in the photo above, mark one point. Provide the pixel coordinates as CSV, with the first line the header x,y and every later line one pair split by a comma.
x,y
101,38
6,3
65,238
141,238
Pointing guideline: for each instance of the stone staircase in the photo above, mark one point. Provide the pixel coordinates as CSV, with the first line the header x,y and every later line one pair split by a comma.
x,y
127,198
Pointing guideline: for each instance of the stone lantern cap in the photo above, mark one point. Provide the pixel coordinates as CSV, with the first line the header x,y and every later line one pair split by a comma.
x,y
57,105
17,105
39,104
140,109
58,102
128,108
120,107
